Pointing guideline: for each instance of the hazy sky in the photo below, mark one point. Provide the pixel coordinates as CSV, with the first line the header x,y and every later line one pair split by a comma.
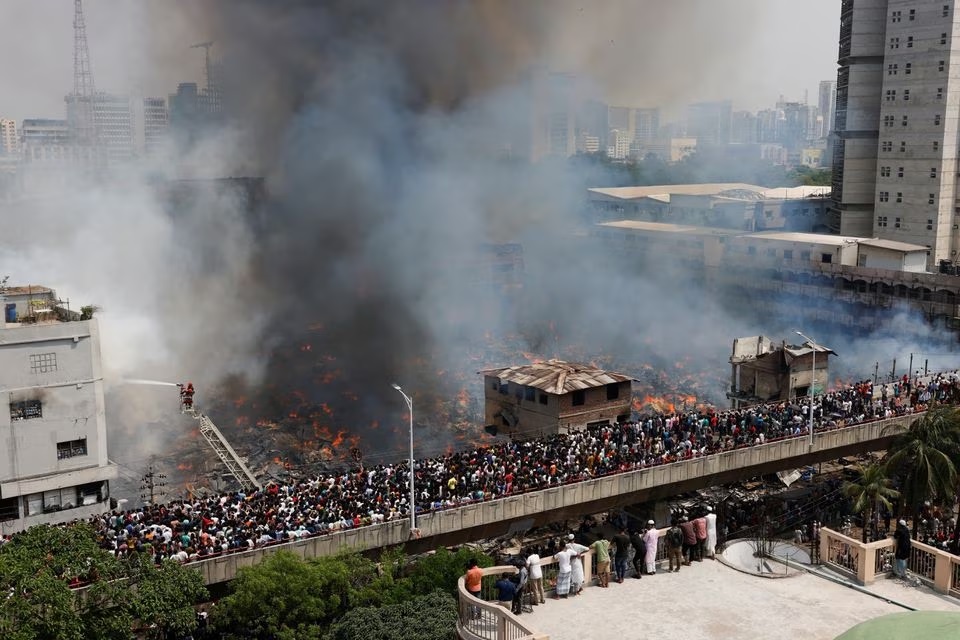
x,y
638,53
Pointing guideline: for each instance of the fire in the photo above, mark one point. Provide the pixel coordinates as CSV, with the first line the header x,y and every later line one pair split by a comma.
x,y
184,466
532,358
306,347
277,460
239,402
463,398
242,421
326,408
339,439
330,376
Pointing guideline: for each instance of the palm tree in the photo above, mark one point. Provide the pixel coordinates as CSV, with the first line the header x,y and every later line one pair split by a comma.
x,y
924,458
871,490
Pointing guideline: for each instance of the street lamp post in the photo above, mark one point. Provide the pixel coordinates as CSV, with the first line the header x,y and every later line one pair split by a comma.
x,y
813,380
413,495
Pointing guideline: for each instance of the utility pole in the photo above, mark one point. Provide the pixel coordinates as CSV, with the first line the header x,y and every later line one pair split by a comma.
x,y
150,484
876,372
910,372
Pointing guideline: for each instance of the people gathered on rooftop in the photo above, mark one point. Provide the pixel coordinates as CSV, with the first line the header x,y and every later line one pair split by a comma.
x,y
189,530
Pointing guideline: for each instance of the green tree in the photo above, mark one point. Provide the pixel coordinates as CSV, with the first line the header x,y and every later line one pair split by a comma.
x,y
923,458
442,569
165,596
287,597
871,490
37,567
429,617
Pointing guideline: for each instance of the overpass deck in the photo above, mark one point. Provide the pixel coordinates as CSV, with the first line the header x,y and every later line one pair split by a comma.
x,y
516,513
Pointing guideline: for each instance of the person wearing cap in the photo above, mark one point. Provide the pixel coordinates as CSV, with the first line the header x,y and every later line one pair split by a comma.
x,y
901,552
652,538
576,564
711,533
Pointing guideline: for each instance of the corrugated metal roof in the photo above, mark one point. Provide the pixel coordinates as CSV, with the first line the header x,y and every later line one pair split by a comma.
x,y
556,376
893,245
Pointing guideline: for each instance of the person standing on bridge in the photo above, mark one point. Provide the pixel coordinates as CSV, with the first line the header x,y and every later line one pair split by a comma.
x,y
622,555
901,550
700,529
639,552
601,551
564,572
652,538
576,565
535,578
711,518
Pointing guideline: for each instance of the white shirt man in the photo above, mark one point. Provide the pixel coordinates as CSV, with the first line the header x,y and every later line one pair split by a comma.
x,y
535,579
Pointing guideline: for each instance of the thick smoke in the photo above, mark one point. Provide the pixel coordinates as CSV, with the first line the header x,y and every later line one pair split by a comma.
x,y
391,139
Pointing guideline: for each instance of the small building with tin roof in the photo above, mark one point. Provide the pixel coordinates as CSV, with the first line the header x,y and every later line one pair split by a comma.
x,y
553,396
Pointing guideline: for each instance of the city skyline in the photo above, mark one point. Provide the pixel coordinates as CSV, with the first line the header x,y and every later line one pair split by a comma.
x,y
625,63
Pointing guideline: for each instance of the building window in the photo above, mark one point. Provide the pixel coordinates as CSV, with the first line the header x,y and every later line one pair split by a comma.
x,y
936,145
896,223
913,14
494,384
862,260
884,172
907,68
899,196
946,11
26,410
826,258
884,196
891,69
942,65
931,198
903,146
882,221
71,449
900,171
929,225
895,42
788,254
887,121
936,119
939,93
943,38
577,398
504,388
529,394
906,94
543,398
910,39
933,172
805,255
904,122
895,16
886,146
43,363
891,95
613,391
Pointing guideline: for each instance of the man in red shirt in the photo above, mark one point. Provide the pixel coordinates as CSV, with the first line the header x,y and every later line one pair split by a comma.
x,y
700,529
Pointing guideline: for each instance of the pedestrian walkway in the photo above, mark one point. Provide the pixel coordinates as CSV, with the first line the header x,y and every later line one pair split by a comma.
x,y
710,600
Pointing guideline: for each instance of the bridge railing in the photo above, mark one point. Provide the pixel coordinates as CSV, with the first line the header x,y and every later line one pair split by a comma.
x,y
864,561
480,619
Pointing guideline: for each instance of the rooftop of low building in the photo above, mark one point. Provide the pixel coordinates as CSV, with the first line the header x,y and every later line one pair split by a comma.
x,y
556,376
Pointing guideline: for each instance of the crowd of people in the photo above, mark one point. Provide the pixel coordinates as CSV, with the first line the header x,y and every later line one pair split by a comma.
x,y
690,538
189,530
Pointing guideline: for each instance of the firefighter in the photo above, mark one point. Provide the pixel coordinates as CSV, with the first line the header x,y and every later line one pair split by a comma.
x,y
186,395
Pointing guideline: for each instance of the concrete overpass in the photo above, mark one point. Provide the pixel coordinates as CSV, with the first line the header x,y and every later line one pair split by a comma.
x,y
520,512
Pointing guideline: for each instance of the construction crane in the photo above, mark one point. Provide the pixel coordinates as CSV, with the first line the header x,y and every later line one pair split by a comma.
x,y
212,94
234,464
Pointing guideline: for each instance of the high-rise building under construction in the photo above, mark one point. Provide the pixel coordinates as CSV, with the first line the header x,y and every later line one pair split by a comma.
x,y
895,158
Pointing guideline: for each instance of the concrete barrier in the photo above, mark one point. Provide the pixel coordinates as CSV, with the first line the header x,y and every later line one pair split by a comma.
x,y
492,518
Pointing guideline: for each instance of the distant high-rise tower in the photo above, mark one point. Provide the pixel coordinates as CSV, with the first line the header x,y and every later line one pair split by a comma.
x,y
709,122
9,141
827,105
895,158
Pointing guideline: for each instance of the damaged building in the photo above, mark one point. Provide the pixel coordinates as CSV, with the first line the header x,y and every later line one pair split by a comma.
x,y
763,371
553,396
53,463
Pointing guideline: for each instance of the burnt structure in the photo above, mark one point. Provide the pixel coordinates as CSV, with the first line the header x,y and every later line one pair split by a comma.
x,y
761,371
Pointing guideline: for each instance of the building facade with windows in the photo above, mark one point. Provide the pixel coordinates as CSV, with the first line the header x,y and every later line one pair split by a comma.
x,y
545,398
53,462
895,162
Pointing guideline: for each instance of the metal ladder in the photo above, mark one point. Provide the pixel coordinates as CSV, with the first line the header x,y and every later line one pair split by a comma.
x,y
224,451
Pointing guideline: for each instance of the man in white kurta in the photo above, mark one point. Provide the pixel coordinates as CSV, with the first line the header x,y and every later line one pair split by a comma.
x,y
576,565
711,533
651,537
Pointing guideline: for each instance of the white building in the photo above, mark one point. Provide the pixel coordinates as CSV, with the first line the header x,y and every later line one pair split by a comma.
x,y
895,162
827,105
54,466
9,140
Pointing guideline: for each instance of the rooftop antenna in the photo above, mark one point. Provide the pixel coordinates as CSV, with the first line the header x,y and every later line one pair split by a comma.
x,y
210,76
